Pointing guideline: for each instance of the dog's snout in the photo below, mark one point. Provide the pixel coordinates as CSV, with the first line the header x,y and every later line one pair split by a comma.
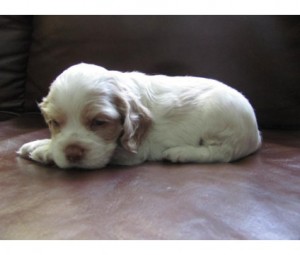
x,y
74,153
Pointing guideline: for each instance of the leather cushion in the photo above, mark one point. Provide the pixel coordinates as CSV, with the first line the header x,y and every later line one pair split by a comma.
x,y
15,34
254,198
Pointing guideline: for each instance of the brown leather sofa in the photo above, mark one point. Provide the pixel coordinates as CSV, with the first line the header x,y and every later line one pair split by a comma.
x,y
257,197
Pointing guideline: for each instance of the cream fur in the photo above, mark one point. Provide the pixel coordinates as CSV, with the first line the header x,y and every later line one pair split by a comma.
x,y
180,119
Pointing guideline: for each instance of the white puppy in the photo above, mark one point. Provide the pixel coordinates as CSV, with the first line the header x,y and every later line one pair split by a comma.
x,y
98,117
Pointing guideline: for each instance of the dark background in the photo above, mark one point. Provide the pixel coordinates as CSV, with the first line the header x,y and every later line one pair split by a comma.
x,y
257,55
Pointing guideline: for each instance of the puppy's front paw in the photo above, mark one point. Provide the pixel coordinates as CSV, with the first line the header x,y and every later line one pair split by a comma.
x,y
37,150
175,155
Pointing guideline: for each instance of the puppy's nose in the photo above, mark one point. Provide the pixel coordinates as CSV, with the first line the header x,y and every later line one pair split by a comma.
x,y
74,153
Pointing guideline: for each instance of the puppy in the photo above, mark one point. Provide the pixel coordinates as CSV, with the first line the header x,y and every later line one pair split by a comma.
x,y
97,117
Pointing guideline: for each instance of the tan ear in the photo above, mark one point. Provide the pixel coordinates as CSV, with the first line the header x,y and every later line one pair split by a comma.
x,y
137,121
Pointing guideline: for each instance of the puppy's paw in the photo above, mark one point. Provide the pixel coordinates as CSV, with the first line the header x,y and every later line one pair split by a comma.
x,y
37,150
175,155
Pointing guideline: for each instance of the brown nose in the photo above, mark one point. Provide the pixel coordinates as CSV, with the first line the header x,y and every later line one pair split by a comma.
x,y
74,153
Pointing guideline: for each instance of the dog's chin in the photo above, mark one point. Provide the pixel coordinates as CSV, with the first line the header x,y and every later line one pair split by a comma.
x,y
84,164
81,165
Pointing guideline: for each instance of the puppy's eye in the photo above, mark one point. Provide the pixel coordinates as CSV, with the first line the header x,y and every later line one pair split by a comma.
x,y
97,123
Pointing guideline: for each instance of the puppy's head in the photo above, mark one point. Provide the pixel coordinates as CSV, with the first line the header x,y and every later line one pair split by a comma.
x,y
90,112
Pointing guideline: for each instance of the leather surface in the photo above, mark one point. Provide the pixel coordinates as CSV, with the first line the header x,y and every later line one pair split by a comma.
x,y
258,55
15,39
255,198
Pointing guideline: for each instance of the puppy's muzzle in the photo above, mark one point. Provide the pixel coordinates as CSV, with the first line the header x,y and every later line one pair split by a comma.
x,y
74,153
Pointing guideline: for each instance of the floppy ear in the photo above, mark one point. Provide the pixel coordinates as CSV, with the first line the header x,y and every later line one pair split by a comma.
x,y
137,120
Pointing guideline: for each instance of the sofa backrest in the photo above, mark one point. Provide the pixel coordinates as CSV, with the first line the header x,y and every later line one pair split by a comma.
x,y
15,40
257,55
